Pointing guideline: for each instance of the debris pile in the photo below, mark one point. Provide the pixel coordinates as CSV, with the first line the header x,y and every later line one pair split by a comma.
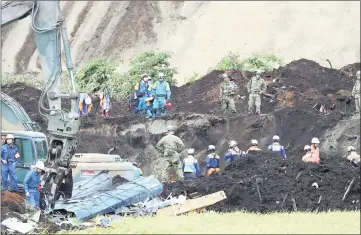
x,y
263,182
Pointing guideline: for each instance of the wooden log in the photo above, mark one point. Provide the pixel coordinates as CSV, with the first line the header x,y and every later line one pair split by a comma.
x,y
193,204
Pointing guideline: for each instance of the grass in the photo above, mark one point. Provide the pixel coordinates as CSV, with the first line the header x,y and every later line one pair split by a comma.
x,y
236,223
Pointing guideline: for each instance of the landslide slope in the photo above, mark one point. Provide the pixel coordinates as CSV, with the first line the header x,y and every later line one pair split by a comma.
x,y
197,32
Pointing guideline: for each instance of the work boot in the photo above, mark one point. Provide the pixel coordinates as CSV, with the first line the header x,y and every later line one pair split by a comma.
x,y
107,114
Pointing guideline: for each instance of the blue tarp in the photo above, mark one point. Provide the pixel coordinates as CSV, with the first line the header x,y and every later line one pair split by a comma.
x,y
103,202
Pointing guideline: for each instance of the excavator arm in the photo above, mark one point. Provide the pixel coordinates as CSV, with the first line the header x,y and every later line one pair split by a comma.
x,y
63,125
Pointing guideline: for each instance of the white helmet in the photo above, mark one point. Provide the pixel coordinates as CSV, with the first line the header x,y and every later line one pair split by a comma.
x,y
258,72
191,151
211,147
254,142
350,148
276,137
10,136
170,128
161,75
232,143
358,74
307,147
315,140
143,75
224,75
40,165
88,100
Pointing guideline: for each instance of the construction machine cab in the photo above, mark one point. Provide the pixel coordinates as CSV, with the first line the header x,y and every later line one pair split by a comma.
x,y
32,146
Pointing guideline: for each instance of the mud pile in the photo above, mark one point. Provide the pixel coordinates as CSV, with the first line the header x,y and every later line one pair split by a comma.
x,y
13,206
280,182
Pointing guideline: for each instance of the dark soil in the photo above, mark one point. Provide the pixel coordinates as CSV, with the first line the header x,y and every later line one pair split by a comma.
x,y
279,182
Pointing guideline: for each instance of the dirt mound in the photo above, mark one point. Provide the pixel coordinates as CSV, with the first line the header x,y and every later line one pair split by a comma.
x,y
280,182
7,196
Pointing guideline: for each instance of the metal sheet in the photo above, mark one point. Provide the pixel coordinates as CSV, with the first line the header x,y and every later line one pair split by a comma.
x,y
110,200
87,187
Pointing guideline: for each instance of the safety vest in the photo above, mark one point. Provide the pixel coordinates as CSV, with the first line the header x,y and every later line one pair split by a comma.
x,y
189,164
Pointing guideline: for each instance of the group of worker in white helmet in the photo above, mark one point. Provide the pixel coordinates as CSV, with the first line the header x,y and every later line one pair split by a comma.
x,y
190,167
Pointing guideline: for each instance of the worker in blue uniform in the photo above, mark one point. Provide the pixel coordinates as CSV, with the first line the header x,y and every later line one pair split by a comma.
x,y
212,161
32,187
141,93
161,92
190,166
9,157
277,148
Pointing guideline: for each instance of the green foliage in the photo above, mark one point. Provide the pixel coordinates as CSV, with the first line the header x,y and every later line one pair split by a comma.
x,y
230,61
95,75
262,61
152,63
30,79
258,61
193,78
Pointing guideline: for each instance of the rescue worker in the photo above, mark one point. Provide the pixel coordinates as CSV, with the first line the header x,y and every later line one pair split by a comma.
x,y
190,166
275,147
315,150
9,157
141,92
104,103
256,87
233,153
137,171
307,156
85,104
212,161
161,92
352,155
227,93
32,185
171,147
356,93
254,146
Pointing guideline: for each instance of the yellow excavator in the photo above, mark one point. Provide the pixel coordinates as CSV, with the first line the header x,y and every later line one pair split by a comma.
x,y
58,148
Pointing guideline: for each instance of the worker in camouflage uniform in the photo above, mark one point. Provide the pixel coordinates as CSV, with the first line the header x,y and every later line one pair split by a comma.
x,y
171,147
227,93
256,87
356,93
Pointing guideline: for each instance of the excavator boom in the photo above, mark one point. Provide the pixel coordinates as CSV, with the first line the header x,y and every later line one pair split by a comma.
x,y
63,125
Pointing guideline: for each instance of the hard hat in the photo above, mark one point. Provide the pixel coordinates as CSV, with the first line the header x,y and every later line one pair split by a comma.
x,y
191,151
350,148
232,143
160,75
307,147
225,75
135,164
358,73
211,147
170,128
10,136
40,165
143,75
254,142
88,100
258,72
276,137
315,140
